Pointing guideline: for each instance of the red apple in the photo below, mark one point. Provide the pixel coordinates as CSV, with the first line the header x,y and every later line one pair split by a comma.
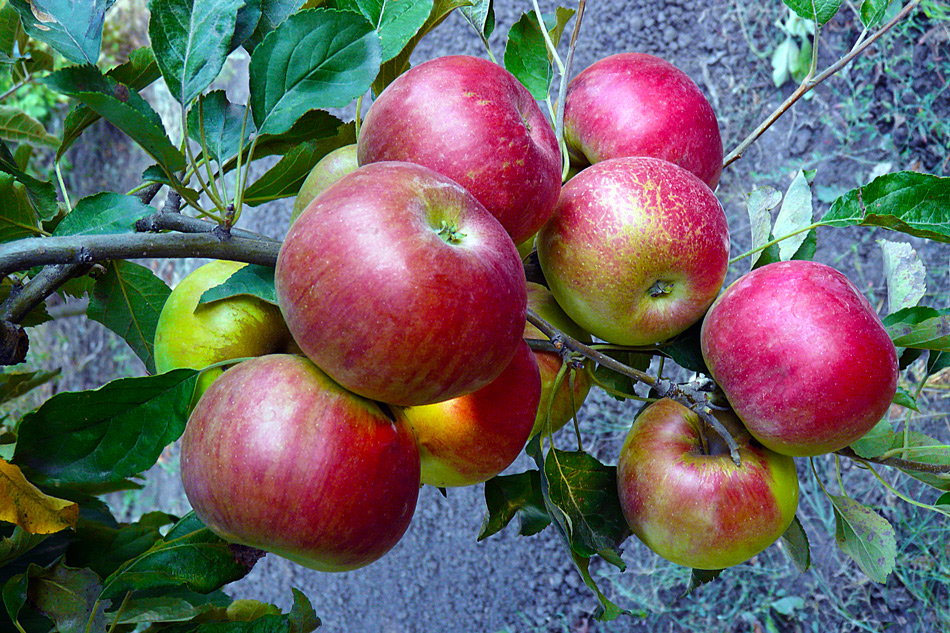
x,y
636,251
472,438
634,104
802,357
566,403
279,457
473,121
695,507
327,171
401,286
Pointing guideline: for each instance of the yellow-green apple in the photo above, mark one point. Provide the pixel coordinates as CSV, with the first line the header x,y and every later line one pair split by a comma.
x,y
802,357
401,286
472,438
473,121
189,335
634,104
636,251
279,457
689,502
327,171
566,403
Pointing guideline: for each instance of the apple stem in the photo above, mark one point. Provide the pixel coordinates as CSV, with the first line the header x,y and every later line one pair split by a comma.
x,y
660,288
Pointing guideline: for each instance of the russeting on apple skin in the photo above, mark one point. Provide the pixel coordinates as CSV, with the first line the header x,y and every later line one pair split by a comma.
x,y
636,251
400,285
473,121
279,457
694,506
634,104
802,357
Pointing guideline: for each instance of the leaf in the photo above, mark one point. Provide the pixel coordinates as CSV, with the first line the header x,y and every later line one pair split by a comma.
x,y
872,11
302,617
789,605
795,214
877,441
943,500
526,56
316,124
481,15
685,350
42,194
25,505
19,543
805,251
318,58
273,14
700,577
905,274
801,63
607,610
191,40
933,334
865,536
19,127
18,218
396,21
65,595
74,29
106,434
216,125
189,556
782,59
105,548
35,316
12,36
15,384
905,398
909,202
615,380
818,10
510,496
795,543
759,204
927,450
122,107
104,213
253,280
247,21
174,605
128,300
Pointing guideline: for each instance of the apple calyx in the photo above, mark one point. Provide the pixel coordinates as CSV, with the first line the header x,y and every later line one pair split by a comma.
x,y
660,288
450,233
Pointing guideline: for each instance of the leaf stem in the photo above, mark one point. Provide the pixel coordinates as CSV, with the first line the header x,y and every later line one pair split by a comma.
x,y
755,250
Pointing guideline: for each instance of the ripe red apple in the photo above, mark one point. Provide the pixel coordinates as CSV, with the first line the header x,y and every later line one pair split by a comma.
x,y
279,457
327,171
472,438
565,403
802,357
636,251
401,286
189,335
695,507
634,104
473,121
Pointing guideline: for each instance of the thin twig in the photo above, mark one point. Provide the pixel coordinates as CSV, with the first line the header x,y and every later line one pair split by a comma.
x,y
897,462
22,301
169,221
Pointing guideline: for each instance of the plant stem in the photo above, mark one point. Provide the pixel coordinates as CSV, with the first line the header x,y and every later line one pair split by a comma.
x,y
903,464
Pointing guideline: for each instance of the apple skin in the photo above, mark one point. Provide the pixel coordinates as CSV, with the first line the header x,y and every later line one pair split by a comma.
x,y
565,405
471,120
802,357
191,336
401,286
279,457
327,171
636,251
472,438
634,104
696,509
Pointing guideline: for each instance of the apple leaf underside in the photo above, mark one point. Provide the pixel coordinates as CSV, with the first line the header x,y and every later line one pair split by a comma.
x,y
510,496
19,127
795,543
253,280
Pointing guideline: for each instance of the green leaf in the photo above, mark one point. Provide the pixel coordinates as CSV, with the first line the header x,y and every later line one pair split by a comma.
x,y
128,300
700,577
42,194
877,441
526,56
801,63
865,536
872,11
273,14
173,605
253,280
805,251
122,107
909,202
216,125
905,274
685,350
789,605
19,127
12,36
510,496
616,381
189,556
481,15
65,595
818,10
74,29
248,18
927,450
606,610
933,334
107,434
18,218
105,548
795,543
795,214
397,21
15,384
782,59
937,361
943,500
302,617
191,40
759,204
318,58
18,543
906,399
104,213
314,125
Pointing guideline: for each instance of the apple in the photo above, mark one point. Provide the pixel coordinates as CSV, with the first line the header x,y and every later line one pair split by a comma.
x,y
279,457
566,403
801,356
472,438
471,120
401,286
636,251
694,506
634,104
327,171
189,335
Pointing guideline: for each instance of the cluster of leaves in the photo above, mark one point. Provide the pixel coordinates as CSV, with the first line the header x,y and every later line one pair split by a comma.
x,y
66,561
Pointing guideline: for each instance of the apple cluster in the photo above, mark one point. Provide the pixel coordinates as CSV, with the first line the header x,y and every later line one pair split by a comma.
x,y
396,354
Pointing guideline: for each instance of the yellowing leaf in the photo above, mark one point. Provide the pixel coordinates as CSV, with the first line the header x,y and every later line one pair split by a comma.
x,y
25,505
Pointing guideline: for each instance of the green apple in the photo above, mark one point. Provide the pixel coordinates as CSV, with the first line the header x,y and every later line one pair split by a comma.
x,y
327,171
